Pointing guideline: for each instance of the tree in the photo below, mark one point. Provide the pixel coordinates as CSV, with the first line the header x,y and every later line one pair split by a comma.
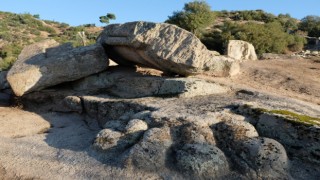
x,y
106,19
311,24
37,16
194,17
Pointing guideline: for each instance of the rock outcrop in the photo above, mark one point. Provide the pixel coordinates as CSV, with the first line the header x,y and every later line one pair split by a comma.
x,y
241,50
46,64
162,46
95,122
212,146
125,83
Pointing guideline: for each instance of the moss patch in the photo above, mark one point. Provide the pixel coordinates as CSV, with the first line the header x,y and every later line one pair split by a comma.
x,y
287,115
296,117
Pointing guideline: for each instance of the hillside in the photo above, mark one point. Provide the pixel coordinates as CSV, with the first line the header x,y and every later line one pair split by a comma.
x,y
193,114
19,30
267,32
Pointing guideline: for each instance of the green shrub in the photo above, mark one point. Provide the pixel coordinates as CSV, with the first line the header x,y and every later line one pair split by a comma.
x,y
195,16
311,24
266,38
6,63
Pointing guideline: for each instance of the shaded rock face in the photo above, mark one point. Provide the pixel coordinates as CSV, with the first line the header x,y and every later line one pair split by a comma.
x,y
118,82
162,46
294,137
241,50
3,80
6,93
38,67
197,148
126,83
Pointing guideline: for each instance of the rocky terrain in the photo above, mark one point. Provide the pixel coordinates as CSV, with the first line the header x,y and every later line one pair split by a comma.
x,y
184,113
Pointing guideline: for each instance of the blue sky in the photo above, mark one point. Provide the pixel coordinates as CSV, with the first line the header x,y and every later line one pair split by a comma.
x,y
77,12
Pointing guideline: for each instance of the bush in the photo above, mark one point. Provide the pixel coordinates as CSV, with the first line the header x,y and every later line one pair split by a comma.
x,y
194,17
6,63
257,15
266,38
311,24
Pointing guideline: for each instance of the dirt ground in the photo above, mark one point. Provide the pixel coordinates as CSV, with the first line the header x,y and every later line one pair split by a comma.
x,y
295,78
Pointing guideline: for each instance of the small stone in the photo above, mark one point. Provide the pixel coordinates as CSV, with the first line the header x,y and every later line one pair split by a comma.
x,y
73,103
107,139
136,125
194,133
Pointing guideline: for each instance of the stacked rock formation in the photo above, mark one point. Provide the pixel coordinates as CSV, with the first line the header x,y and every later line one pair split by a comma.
x,y
176,127
162,46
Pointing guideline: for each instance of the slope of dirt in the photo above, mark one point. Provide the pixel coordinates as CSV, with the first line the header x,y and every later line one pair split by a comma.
x,y
296,78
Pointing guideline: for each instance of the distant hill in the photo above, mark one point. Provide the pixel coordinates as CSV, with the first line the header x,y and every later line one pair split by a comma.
x,y
19,30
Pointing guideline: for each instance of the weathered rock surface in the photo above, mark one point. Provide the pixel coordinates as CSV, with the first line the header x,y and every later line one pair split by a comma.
x,y
162,46
15,123
152,152
126,83
241,50
265,156
180,138
202,161
38,67
294,137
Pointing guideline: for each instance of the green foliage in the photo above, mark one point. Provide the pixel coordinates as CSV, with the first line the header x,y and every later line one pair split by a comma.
x,y
311,24
37,16
257,15
106,19
8,53
297,118
194,17
266,38
289,116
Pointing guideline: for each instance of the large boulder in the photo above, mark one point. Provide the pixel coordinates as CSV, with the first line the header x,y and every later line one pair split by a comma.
x,y
45,64
164,47
241,50
202,161
151,152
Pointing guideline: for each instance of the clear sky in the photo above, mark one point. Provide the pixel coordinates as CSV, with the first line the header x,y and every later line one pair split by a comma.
x,y
78,12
